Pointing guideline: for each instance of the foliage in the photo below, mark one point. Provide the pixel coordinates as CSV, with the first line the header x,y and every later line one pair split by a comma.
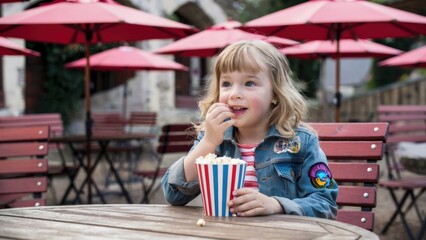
x,y
63,88
382,76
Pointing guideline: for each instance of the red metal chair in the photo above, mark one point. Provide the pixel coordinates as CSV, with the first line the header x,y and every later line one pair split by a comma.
x,y
407,123
353,150
54,121
174,138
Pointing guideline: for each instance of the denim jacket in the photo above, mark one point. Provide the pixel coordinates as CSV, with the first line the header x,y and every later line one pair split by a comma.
x,y
294,172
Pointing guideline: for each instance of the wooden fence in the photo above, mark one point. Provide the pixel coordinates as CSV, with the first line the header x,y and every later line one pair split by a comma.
x,y
362,107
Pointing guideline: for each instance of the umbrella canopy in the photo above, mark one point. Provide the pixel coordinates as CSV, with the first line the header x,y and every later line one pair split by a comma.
x,y
127,58
211,41
413,58
348,48
89,21
326,48
8,47
339,19
324,19
11,1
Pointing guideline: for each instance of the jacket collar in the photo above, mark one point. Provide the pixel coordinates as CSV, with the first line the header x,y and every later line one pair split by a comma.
x,y
272,132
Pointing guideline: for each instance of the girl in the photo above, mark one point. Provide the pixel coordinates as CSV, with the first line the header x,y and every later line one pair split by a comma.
x,y
252,111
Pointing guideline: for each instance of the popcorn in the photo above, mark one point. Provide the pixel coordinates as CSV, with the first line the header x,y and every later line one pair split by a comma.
x,y
213,159
201,222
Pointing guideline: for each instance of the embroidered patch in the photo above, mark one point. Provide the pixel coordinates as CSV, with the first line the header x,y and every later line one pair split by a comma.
x,y
321,176
287,145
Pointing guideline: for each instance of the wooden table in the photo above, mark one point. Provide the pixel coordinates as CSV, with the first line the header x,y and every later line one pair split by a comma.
x,y
103,142
143,221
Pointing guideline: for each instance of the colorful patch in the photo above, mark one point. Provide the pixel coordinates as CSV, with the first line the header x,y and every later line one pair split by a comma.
x,y
321,176
287,145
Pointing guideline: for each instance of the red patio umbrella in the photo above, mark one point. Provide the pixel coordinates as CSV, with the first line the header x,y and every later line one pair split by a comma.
x,y
8,47
211,41
339,19
348,48
12,1
413,58
326,48
127,58
88,22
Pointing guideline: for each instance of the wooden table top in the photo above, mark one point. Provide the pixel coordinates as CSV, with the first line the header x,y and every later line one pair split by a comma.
x,y
139,221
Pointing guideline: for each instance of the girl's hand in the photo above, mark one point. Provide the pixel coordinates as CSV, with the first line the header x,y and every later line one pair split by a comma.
x,y
250,202
215,124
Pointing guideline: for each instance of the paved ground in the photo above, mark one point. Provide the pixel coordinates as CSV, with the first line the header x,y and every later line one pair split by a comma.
x,y
383,211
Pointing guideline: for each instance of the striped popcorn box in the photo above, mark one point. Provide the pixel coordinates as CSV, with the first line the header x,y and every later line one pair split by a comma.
x,y
217,182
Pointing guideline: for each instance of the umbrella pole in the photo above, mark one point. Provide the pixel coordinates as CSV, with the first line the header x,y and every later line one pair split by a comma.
x,y
88,123
125,91
338,95
326,114
125,94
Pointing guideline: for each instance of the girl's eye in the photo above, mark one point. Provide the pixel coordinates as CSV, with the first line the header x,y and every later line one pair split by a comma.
x,y
249,84
226,84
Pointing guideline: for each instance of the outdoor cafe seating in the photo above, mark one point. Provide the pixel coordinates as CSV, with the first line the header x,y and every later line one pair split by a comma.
x,y
405,145
55,169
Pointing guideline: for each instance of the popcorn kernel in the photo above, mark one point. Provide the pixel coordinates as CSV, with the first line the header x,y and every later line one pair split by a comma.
x,y
201,222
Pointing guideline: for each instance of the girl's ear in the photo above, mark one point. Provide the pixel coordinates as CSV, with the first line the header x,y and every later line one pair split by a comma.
x,y
274,101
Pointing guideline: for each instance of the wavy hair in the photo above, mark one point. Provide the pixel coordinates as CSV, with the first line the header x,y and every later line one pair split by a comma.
x,y
253,56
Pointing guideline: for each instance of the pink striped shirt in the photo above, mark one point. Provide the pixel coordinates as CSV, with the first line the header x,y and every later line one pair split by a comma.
x,y
247,154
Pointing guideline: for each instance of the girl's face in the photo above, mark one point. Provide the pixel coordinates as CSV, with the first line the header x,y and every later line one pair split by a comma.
x,y
249,97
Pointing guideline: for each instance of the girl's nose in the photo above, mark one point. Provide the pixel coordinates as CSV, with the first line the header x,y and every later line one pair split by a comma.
x,y
236,92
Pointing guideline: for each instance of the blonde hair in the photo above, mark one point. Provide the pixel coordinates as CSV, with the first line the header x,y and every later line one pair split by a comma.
x,y
254,56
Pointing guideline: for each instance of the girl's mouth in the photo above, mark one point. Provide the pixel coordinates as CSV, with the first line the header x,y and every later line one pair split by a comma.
x,y
238,110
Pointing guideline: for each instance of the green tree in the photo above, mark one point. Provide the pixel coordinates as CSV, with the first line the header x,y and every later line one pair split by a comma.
x,y
63,88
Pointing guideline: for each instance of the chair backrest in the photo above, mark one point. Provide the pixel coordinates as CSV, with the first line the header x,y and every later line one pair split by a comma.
x,y
146,120
353,150
107,123
407,123
23,168
176,138
53,120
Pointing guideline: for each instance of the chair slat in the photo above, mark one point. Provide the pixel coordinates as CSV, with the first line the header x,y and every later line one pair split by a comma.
x,y
28,203
401,108
357,196
23,166
355,172
175,148
338,150
53,120
23,185
361,219
23,149
351,131
24,134
143,118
